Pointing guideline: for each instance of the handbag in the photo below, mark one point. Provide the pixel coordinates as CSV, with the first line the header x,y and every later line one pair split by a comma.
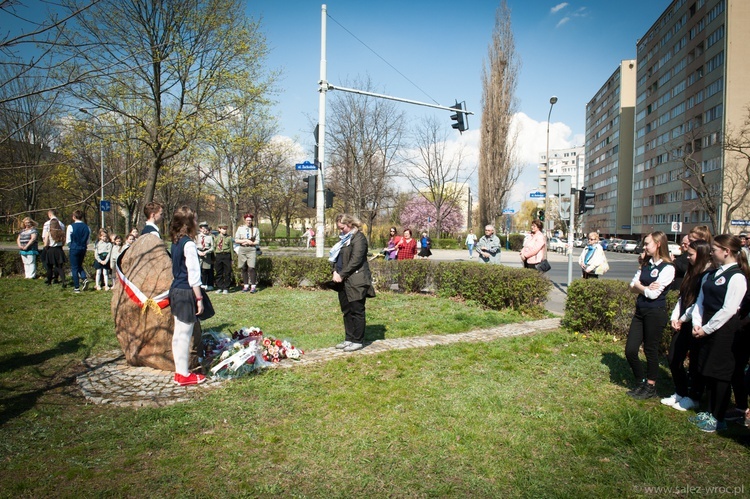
x,y
543,266
208,308
258,251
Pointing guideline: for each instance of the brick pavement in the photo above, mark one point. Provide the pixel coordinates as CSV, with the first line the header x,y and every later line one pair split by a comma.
x,y
109,380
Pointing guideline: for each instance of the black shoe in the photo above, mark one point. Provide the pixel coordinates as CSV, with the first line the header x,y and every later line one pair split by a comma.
x,y
637,389
647,391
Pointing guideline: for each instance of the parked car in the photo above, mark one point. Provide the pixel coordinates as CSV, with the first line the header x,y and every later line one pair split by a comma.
x,y
616,243
555,244
604,244
639,247
580,242
629,246
674,249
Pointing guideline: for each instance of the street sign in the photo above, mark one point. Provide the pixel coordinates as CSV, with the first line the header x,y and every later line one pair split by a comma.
x,y
508,211
744,223
105,205
626,227
537,194
305,166
559,185
676,227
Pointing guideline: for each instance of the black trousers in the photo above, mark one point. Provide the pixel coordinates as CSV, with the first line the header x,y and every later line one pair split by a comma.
x,y
354,318
678,351
223,267
741,351
646,328
207,276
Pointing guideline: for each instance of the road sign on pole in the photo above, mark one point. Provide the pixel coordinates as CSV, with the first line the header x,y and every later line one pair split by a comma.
x,y
508,211
105,205
306,166
537,194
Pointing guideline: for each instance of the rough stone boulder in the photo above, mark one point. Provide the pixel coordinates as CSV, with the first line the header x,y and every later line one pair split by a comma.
x,y
145,334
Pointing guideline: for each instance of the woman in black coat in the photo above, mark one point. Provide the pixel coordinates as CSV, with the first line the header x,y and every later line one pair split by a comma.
x,y
352,275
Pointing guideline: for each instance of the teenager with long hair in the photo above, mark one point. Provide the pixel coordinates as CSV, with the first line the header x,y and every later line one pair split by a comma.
x,y
185,298
688,385
716,319
651,283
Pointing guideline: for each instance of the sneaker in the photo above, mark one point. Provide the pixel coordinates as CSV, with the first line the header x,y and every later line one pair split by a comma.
x,y
637,389
76,290
671,400
701,416
353,347
711,425
734,414
209,288
747,418
246,289
98,288
190,379
648,392
107,288
226,292
84,284
685,403
218,292
343,345
253,289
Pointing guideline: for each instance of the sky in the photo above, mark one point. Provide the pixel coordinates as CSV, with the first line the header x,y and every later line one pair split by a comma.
x,y
438,48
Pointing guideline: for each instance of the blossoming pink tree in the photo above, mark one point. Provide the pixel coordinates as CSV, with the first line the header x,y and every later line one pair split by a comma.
x,y
419,214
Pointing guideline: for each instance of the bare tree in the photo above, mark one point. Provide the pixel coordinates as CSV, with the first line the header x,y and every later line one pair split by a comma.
x,y
434,174
498,168
364,135
193,61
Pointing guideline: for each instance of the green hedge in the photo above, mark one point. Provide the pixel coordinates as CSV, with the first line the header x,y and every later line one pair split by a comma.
x,y
493,286
596,306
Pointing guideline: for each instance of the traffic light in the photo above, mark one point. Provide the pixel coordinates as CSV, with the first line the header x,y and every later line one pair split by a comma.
x,y
585,201
541,215
309,197
461,119
329,198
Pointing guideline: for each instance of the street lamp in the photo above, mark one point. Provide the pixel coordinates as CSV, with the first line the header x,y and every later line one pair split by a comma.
x,y
552,102
101,161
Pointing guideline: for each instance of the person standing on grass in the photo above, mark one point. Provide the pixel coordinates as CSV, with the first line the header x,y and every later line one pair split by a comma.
x,y
185,297
715,317
471,240
116,250
651,283
54,254
154,213
27,242
352,274
488,246
223,265
688,384
407,246
534,246
391,249
77,238
246,239
49,242
102,255
205,243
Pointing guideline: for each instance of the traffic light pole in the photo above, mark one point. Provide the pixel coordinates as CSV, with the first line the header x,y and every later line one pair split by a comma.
x,y
320,236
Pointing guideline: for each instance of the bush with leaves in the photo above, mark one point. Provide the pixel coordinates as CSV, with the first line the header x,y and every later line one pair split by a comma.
x,y
606,306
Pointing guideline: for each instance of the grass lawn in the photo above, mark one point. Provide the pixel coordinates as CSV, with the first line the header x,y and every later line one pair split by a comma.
x,y
538,416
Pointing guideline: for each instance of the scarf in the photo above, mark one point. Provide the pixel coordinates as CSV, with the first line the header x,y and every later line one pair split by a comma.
x,y
334,253
589,253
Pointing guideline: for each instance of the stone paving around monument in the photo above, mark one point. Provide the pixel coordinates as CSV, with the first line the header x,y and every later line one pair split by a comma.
x,y
110,380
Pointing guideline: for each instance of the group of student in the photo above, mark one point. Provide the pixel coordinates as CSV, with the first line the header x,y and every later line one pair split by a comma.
x,y
710,324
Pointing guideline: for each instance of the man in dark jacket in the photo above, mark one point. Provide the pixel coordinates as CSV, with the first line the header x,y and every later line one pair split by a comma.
x,y
352,272
77,238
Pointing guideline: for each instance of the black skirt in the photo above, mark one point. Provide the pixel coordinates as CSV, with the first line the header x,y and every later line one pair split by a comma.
x,y
54,256
424,252
182,303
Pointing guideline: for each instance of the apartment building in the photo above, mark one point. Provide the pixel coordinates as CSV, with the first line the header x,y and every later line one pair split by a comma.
x,y
609,152
570,162
692,87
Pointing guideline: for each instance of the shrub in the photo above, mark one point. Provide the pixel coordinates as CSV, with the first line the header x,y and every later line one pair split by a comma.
x,y
606,306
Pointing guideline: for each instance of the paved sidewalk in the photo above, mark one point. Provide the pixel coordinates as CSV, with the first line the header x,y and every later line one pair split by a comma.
x,y
109,380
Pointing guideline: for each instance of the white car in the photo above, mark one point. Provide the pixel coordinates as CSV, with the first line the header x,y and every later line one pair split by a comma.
x,y
555,244
674,249
629,246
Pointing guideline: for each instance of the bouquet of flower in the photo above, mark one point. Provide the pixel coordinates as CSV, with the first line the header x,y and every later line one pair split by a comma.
x,y
274,350
229,355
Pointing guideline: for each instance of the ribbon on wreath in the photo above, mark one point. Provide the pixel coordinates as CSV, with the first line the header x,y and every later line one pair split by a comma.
x,y
136,295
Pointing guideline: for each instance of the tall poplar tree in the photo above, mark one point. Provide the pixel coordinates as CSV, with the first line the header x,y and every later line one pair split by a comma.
x,y
498,168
